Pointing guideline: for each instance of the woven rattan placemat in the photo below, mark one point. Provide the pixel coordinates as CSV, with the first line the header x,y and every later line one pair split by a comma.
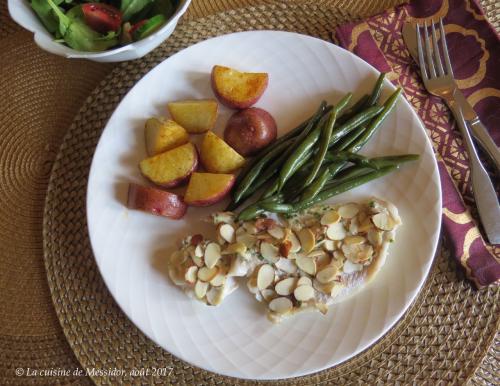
x,y
442,338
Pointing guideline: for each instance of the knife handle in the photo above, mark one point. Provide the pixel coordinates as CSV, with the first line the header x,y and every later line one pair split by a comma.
x,y
482,187
484,139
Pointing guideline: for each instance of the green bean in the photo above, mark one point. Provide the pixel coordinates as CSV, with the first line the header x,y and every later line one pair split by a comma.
x,y
313,189
343,187
376,122
250,212
354,122
360,103
377,89
276,207
377,163
253,174
304,147
326,134
349,139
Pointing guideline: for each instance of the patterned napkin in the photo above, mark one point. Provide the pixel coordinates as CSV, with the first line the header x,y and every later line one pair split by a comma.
x,y
475,54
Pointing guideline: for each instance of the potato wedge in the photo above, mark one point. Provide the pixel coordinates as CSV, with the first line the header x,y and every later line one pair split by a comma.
x,y
163,134
171,168
236,89
155,201
217,156
205,189
195,115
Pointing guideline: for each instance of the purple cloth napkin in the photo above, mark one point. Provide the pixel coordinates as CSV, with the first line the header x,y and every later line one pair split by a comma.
x,y
475,54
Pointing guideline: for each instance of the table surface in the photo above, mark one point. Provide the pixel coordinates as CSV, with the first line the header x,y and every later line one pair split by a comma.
x,y
30,333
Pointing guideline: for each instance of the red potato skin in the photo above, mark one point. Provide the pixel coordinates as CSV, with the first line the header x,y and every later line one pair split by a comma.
x,y
214,199
247,131
237,105
156,201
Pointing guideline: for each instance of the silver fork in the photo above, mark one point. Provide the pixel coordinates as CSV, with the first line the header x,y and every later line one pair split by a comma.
x,y
438,80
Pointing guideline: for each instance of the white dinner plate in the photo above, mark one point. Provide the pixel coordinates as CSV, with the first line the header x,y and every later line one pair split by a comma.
x,y
236,339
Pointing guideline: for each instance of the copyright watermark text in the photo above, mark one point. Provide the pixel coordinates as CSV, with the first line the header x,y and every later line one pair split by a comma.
x,y
94,372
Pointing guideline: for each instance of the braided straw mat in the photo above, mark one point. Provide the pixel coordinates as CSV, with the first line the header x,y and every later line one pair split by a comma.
x,y
442,338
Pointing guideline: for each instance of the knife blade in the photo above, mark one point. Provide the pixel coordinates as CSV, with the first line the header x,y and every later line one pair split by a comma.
x,y
477,129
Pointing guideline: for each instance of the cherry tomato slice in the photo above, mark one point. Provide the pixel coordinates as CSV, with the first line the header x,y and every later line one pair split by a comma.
x,y
102,17
136,26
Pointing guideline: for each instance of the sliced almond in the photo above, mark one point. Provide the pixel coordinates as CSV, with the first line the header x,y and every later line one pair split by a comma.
x,y
348,210
269,252
206,274
317,253
375,237
200,289
322,261
237,247
196,239
286,265
286,286
304,280
350,267
327,275
285,247
268,294
250,228
336,289
336,231
303,293
330,217
328,245
215,296
290,235
307,240
383,221
198,261
366,254
198,251
247,239
212,254
277,232
227,232
306,264
190,275
252,285
264,224
265,276
176,258
218,280
365,225
354,240
353,226
280,305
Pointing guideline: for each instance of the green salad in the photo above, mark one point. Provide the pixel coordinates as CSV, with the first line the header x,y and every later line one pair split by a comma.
x,y
101,25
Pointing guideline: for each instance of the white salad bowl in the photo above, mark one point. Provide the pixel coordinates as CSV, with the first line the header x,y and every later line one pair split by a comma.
x,y
22,14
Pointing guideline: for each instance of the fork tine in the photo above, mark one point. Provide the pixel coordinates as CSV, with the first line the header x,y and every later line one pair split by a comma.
x,y
449,69
421,60
437,55
430,61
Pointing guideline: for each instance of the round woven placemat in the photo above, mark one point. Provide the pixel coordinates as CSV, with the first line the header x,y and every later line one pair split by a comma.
x,y
442,338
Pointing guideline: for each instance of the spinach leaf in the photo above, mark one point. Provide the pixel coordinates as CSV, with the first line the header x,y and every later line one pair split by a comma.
x,y
130,7
79,35
164,7
46,14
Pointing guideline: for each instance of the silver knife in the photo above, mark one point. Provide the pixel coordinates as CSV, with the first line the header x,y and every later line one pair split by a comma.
x,y
478,130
